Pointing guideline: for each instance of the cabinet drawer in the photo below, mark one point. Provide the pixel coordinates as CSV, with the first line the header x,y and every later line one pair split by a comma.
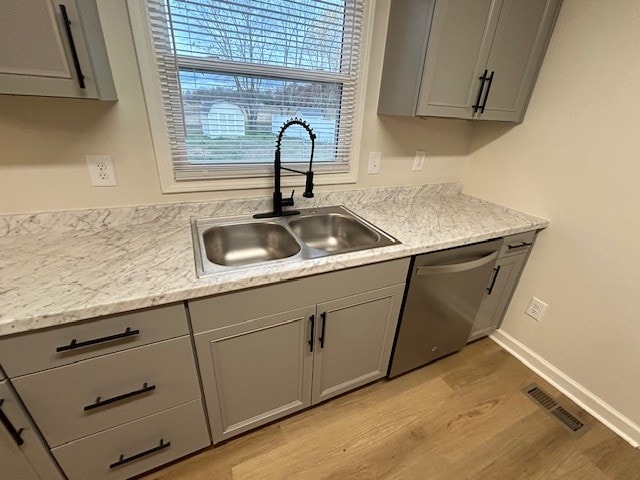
x,y
237,307
518,243
35,351
136,447
76,400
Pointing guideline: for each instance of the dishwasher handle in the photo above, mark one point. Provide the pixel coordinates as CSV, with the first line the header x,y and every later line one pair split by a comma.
x,y
456,267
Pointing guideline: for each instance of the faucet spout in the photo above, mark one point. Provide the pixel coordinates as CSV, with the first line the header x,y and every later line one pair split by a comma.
x,y
278,201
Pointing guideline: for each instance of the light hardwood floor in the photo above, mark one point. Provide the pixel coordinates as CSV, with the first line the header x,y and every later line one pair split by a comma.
x,y
463,417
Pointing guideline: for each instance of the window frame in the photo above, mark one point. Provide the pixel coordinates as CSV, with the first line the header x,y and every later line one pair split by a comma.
x,y
160,136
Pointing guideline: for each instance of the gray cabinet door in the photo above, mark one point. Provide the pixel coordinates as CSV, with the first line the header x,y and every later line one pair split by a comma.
x,y
256,371
459,44
353,341
479,59
13,464
37,51
519,44
496,299
31,460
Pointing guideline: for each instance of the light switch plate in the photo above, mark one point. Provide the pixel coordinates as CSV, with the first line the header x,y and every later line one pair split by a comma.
x,y
374,163
418,161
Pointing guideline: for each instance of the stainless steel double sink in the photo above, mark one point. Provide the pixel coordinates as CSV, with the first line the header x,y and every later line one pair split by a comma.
x,y
233,242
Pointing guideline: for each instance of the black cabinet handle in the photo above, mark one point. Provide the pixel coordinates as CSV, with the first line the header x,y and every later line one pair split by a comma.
x,y
123,460
486,93
101,403
75,344
323,315
311,335
15,434
72,46
493,282
476,107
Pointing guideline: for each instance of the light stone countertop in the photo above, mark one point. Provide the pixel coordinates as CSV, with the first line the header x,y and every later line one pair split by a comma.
x,y
61,267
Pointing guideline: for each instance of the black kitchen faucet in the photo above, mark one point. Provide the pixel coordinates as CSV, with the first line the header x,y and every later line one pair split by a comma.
x,y
278,201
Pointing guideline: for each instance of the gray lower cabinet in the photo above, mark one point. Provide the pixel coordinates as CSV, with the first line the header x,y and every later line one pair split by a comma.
x,y
136,447
77,400
472,59
53,48
54,347
507,271
257,371
114,396
270,351
354,337
23,454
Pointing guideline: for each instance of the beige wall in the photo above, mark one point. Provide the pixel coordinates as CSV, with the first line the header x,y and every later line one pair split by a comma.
x,y
43,141
576,161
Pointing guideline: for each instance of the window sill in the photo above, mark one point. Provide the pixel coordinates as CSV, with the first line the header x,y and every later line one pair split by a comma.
x,y
173,186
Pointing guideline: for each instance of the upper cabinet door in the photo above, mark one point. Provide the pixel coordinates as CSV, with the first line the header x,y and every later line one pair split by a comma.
x,y
459,44
519,44
53,48
472,59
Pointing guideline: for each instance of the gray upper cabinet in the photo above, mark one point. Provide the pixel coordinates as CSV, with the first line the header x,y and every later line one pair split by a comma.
x,y
53,48
458,49
471,59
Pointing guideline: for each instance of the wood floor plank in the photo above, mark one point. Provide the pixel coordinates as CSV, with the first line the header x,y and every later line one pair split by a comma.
x,y
463,417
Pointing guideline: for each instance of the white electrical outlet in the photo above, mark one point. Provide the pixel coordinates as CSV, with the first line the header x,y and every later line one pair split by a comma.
x,y
101,170
374,163
536,308
418,161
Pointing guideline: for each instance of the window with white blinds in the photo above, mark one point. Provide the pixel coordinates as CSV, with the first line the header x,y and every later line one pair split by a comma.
x,y
233,71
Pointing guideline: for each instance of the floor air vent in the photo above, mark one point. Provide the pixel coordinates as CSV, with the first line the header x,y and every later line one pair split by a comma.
x,y
548,404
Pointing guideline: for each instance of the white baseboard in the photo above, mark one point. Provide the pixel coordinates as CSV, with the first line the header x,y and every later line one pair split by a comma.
x,y
593,404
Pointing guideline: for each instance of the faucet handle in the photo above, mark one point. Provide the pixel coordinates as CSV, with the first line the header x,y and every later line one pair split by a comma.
x,y
308,189
288,202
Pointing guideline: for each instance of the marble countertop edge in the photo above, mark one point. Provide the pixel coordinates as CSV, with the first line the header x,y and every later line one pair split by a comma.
x,y
238,279
58,268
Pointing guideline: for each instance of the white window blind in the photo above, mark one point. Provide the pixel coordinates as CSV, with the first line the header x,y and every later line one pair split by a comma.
x,y
233,71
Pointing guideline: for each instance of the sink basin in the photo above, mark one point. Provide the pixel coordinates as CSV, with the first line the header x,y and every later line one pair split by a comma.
x,y
238,242
248,243
333,232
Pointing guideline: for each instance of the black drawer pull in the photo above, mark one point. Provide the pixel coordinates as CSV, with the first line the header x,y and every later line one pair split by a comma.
x,y
477,105
486,93
75,344
101,403
493,282
123,460
323,315
518,245
72,46
15,434
311,335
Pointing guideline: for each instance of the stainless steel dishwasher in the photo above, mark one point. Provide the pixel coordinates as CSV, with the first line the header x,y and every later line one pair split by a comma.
x,y
444,292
